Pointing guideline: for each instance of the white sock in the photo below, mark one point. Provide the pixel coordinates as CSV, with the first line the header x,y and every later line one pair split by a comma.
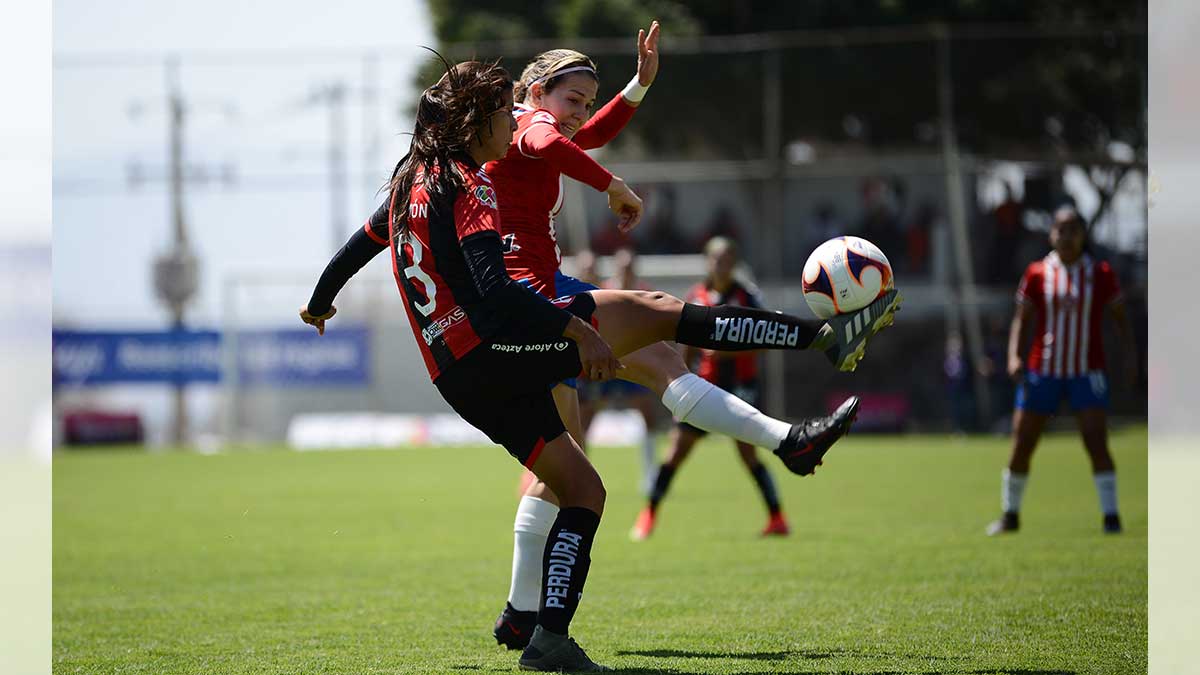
x,y
1012,488
1106,487
698,402
530,530
649,463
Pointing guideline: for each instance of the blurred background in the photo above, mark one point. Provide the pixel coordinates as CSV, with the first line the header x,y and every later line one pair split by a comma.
x,y
209,159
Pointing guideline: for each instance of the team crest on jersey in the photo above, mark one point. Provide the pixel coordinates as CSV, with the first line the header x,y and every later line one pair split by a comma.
x,y
486,195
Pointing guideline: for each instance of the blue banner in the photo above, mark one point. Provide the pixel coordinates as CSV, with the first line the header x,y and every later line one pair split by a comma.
x,y
271,357
341,357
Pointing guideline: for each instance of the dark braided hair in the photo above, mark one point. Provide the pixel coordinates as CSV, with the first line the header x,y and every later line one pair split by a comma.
x,y
449,114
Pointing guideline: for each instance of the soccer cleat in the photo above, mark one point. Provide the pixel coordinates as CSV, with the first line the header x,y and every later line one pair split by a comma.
x,y
1009,522
809,440
1112,523
776,526
643,526
851,331
549,651
513,628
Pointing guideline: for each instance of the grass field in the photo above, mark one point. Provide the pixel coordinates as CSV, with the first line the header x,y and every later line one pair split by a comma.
x,y
397,562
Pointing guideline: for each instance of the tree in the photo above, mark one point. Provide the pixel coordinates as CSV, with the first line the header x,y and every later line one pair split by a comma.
x,y
1075,90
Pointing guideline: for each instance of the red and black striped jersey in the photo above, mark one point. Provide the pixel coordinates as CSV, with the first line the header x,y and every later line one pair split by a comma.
x,y
731,369
444,306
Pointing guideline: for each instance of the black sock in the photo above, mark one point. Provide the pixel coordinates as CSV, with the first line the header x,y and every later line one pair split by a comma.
x,y
565,566
730,329
661,483
767,487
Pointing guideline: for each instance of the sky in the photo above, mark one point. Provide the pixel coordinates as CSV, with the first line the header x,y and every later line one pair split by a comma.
x,y
248,72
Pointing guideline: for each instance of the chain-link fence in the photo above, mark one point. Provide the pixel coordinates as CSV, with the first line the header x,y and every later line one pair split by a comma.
x,y
779,141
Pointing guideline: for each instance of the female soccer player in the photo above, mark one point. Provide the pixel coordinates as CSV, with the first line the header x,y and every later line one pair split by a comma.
x,y
1066,295
737,373
554,98
493,348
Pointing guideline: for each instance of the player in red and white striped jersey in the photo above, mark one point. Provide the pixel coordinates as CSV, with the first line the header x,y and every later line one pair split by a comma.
x,y
1065,297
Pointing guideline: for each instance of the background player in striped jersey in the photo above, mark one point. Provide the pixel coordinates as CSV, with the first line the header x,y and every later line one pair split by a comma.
x,y
1065,296
735,372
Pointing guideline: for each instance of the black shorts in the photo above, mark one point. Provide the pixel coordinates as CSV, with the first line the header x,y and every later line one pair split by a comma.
x,y
750,392
502,387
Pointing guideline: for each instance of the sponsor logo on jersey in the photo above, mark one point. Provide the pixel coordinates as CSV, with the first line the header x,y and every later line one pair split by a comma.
x,y
540,348
486,195
434,330
563,556
756,332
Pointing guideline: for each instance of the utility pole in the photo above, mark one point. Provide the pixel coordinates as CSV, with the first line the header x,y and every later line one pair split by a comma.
x,y
334,97
176,271
966,298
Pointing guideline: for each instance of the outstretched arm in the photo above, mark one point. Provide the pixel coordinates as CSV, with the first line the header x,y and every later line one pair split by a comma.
x,y
363,245
543,140
612,118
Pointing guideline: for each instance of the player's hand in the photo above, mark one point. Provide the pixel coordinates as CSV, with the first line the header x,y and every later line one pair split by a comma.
x,y
625,203
1015,367
647,67
595,355
318,321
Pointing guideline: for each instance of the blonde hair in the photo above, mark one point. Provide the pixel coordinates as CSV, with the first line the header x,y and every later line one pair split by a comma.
x,y
718,245
544,66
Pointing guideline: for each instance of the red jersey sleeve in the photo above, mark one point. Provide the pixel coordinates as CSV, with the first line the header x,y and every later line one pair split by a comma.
x,y
605,124
475,208
543,139
1030,288
697,295
1108,287
376,226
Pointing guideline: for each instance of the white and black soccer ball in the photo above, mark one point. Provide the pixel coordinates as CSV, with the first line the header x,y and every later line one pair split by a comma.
x,y
845,274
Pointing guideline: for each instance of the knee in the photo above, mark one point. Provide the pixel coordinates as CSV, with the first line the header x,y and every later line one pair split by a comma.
x,y
665,302
597,495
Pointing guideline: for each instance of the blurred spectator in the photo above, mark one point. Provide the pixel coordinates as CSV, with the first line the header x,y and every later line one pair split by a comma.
x,y
723,224
960,395
624,274
878,222
1007,220
917,235
825,225
585,268
607,238
1000,386
659,233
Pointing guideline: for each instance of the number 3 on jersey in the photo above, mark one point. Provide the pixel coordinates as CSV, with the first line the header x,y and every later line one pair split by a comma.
x,y
415,273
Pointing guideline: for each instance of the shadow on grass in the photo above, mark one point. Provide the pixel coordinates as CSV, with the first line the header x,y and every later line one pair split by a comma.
x,y
815,654
684,654
806,654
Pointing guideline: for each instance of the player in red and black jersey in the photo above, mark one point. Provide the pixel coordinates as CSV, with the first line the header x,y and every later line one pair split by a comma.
x,y
497,363
733,371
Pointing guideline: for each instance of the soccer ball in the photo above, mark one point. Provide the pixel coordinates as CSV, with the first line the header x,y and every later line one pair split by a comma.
x,y
845,274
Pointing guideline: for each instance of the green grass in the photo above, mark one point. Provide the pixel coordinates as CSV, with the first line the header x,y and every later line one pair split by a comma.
x,y
397,562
